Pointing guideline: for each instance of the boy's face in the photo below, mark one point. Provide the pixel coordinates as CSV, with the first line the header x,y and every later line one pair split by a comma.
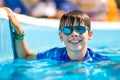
x,y
76,41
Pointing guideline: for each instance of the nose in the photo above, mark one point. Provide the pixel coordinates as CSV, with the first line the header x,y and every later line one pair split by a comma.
x,y
74,34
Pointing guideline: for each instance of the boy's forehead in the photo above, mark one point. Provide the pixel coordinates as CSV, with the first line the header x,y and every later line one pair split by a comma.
x,y
74,23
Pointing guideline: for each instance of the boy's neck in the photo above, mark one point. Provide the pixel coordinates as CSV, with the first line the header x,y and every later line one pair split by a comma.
x,y
76,55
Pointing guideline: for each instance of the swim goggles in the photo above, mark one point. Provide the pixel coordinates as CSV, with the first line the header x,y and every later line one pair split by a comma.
x,y
67,30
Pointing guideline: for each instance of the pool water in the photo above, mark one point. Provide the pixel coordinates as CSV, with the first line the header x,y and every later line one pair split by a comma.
x,y
41,38
105,42
46,69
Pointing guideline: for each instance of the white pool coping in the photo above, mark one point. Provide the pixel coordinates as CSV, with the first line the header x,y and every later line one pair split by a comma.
x,y
55,22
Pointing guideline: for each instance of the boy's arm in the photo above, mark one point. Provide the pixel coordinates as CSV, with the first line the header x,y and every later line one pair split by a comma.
x,y
22,49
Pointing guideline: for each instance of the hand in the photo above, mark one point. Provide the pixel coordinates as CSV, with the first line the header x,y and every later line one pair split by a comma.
x,y
14,22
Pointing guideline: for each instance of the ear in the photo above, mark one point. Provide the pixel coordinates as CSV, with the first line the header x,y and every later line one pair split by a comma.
x,y
90,33
60,35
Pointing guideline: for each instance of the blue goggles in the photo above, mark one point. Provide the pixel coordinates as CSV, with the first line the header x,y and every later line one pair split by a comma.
x,y
67,30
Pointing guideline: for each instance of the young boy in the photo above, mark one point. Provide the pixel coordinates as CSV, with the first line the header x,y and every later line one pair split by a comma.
x,y
74,31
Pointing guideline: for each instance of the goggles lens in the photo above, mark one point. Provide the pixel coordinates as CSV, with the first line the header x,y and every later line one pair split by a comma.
x,y
67,30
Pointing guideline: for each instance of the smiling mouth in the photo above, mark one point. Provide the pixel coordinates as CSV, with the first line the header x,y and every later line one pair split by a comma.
x,y
75,41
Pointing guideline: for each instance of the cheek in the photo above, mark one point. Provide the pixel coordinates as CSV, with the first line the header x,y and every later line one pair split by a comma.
x,y
85,37
62,37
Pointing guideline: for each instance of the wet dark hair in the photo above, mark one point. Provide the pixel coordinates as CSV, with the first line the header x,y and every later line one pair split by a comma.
x,y
75,18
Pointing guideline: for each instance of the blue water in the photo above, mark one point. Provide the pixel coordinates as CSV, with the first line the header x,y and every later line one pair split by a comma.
x,y
52,70
41,38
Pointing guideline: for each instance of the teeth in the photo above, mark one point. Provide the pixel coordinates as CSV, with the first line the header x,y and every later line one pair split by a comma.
x,y
74,41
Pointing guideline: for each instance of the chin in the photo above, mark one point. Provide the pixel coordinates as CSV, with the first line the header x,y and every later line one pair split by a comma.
x,y
76,48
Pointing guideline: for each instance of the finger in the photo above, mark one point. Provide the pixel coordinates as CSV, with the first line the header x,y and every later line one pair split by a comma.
x,y
10,13
7,9
13,20
11,16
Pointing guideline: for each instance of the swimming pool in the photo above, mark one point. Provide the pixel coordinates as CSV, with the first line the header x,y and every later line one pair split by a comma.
x,y
105,41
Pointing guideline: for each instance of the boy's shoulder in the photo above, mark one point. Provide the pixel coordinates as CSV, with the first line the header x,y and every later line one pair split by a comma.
x,y
95,56
56,50
52,53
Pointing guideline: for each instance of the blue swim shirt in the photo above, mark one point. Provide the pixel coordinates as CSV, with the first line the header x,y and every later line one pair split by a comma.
x,y
60,54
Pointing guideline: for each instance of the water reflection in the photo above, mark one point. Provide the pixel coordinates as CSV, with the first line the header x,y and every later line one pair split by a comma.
x,y
46,69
